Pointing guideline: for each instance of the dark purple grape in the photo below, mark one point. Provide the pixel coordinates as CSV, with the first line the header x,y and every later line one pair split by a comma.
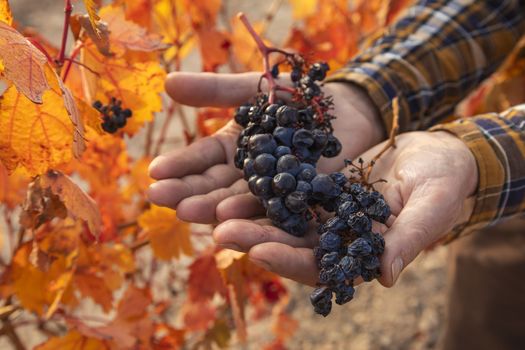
x,y
297,202
359,222
333,147
295,225
303,186
283,135
346,209
307,172
264,165
359,248
302,138
324,187
272,109
330,241
288,164
276,210
283,183
263,187
262,143
251,183
268,123
248,168
286,116
321,299
350,266
329,260
344,293
282,151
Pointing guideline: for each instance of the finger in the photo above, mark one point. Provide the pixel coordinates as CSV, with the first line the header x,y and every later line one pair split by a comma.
x,y
242,206
423,220
297,264
211,89
193,159
202,208
242,235
169,192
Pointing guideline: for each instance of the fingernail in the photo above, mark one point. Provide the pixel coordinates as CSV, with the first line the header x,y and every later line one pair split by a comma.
x,y
261,263
231,246
397,266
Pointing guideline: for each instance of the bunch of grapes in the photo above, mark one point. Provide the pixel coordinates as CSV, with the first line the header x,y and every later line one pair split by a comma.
x,y
348,248
280,145
114,117
278,150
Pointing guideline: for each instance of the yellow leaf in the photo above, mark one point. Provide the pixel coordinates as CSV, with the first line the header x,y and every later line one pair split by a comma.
x,y
303,8
24,64
91,8
169,237
35,137
5,12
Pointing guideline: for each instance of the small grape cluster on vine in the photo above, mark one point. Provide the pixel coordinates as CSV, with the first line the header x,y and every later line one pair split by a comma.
x,y
114,117
278,150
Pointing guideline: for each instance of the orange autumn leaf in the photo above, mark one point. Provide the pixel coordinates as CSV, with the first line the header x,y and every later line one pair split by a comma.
x,y
169,237
172,339
126,35
198,316
205,280
35,137
137,84
77,202
243,46
202,12
73,340
24,67
5,12
214,47
101,270
210,120
37,289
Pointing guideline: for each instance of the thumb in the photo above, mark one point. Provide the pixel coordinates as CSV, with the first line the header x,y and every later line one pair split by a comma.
x,y
429,213
214,89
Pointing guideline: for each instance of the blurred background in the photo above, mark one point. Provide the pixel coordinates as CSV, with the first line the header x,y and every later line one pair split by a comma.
x,y
407,316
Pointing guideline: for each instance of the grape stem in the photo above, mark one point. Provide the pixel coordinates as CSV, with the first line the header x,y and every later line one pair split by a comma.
x,y
391,140
265,51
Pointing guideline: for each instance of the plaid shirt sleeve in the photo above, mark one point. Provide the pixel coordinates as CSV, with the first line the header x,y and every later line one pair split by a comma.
x,y
431,58
498,144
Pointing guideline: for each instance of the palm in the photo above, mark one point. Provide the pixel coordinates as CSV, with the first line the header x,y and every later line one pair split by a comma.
x,y
200,180
430,177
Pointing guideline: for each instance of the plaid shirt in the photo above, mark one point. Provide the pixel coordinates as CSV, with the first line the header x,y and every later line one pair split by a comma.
x,y
431,58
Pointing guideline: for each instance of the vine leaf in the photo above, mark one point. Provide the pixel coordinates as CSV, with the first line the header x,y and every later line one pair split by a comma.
x,y
76,201
128,35
5,12
73,340
24,64
205,280
91,8
38,137
169,236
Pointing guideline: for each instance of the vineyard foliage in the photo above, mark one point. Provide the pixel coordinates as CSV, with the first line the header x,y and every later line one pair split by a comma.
x,y
85,259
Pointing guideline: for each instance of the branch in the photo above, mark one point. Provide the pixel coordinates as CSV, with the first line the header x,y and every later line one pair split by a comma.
x,y
10,333
71,59
65,31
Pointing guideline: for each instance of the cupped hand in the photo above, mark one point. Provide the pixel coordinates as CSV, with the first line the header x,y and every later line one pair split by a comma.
x,y
431,178
201,182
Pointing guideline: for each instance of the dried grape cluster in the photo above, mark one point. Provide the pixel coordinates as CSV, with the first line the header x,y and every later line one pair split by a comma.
x,y
278,150
348,248
114,117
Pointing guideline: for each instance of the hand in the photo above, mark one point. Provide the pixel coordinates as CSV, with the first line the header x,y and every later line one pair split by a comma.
x,y
431,177
200,180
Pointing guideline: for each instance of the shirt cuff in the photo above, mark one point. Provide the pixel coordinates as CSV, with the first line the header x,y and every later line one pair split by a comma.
x,y
490,171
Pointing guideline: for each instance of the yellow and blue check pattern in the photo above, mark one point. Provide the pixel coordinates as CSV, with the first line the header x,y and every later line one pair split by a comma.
x,y
431,58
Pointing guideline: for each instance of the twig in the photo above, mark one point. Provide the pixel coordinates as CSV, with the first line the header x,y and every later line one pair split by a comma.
x,y
165,126
41,48
65,31
265,51
391,140
71,59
